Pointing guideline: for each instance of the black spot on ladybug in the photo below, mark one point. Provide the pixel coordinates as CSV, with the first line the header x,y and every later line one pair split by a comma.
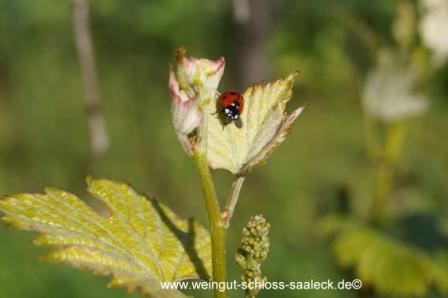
x,y
232,93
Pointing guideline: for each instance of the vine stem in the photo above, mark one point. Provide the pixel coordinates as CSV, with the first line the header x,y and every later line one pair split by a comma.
x,y
217,229
385,170
99,138
232,199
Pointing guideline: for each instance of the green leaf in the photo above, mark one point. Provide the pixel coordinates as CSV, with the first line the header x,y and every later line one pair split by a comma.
x,y
441,270
140,243
264,126
389,265
380,260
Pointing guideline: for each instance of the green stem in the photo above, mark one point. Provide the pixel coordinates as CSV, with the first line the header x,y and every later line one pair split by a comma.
x,y
372,145
385,170
232,200
217,229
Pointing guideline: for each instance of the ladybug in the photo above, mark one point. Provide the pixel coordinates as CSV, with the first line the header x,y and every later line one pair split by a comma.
x,y
230,105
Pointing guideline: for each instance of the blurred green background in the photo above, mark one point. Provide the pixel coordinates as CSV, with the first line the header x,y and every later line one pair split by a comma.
x,y
321,168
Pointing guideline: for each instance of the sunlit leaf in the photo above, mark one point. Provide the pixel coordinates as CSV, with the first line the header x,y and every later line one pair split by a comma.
x,y
383,262
441,271
264,125
140,243
388,265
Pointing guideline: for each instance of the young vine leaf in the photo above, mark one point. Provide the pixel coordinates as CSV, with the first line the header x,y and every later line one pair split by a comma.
x,y
140,243
265,125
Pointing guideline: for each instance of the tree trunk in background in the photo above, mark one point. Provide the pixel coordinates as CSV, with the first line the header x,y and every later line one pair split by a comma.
x,y
99,139
255,20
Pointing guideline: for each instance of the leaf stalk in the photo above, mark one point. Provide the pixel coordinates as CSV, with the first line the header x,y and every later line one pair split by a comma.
x,y
232,200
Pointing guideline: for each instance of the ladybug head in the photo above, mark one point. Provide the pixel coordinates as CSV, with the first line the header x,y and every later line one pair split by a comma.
x,y
232,112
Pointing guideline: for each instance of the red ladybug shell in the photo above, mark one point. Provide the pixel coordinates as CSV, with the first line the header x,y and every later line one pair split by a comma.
x,y
229,98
